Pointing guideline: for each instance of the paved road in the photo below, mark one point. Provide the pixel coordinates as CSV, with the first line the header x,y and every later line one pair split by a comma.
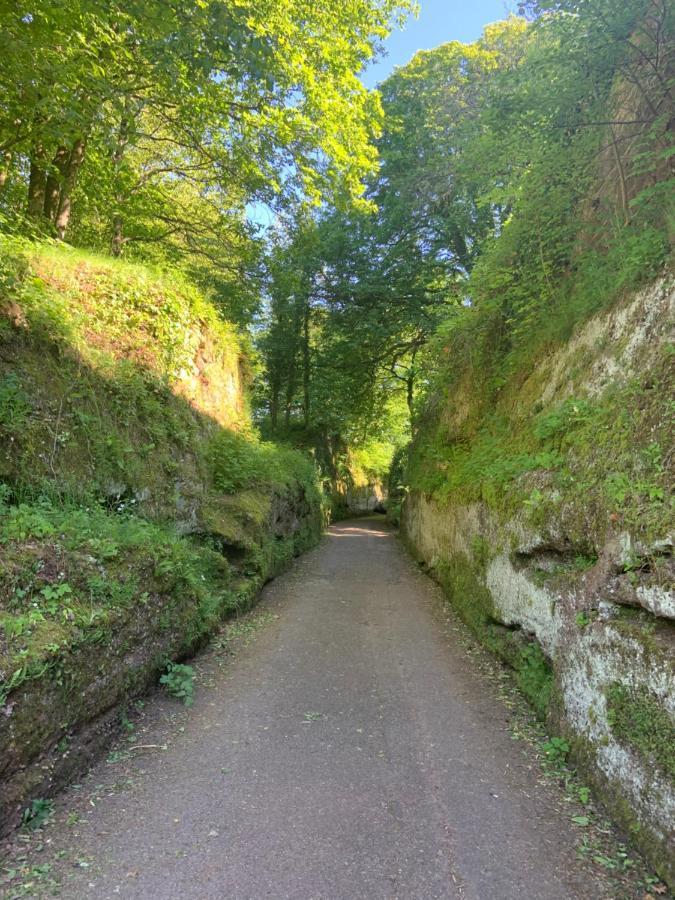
x,y
350,751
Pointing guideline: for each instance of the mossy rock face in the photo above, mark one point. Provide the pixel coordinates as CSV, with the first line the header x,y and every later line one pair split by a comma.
x,y
579,438
464,584
123,609
638,719
547,523
653,844
459,578
137,507
601,673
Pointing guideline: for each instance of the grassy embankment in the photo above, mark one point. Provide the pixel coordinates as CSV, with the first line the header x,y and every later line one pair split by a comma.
x,y
137,507
577,464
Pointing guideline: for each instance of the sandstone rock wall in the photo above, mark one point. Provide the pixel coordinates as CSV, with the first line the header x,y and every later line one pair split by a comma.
x,y
595,600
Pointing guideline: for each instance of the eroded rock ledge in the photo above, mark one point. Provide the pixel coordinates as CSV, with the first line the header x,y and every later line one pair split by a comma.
x,y
571,583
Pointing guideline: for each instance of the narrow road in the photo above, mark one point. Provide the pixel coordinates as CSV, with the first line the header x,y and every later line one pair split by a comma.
x,y
350,751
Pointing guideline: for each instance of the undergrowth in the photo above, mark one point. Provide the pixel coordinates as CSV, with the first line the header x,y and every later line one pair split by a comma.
x,y
70,574
238,463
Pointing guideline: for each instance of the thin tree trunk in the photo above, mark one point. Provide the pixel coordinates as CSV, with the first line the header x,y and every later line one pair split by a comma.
x,y
410,390
274,411
292,377
287,412
67,188
53,186
290,393
275,389
410,394
623,189
4,168
36,183
117,240
305,365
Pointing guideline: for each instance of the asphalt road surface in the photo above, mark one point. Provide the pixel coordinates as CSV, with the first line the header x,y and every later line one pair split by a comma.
x,y
352,750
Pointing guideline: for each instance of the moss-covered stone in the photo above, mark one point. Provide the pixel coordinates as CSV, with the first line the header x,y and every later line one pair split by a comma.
x,y
542,499
637,718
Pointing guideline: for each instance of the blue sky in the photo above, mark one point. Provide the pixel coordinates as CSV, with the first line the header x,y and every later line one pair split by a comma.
x,y
438,21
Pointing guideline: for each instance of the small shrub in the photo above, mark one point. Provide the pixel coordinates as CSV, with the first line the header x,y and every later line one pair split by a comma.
x,y
556,750
535,678
24,521
238,463
38,813
179,682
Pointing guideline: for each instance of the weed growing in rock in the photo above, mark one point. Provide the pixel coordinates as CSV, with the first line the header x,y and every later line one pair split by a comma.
x,y
584,795
535,678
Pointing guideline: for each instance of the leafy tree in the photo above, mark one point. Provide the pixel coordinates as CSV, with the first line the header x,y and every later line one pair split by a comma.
x,y
369,286
146,125
523,180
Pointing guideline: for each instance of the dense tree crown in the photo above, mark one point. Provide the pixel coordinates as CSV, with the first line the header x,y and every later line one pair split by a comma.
x,y
522,181
145,127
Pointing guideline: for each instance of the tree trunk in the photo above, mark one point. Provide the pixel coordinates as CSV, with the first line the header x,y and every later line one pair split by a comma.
x,y
623,190
410,395
69,181
275,390
287,411
4,168
274,411
117,240
53,185
292,371
290,393
36,183
305,365
410,390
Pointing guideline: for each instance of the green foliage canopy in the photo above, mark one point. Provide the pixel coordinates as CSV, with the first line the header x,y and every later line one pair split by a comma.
x,y
143,125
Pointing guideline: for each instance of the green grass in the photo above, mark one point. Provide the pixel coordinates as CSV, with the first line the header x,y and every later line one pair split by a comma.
x,y
604,457
117,381
106,308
